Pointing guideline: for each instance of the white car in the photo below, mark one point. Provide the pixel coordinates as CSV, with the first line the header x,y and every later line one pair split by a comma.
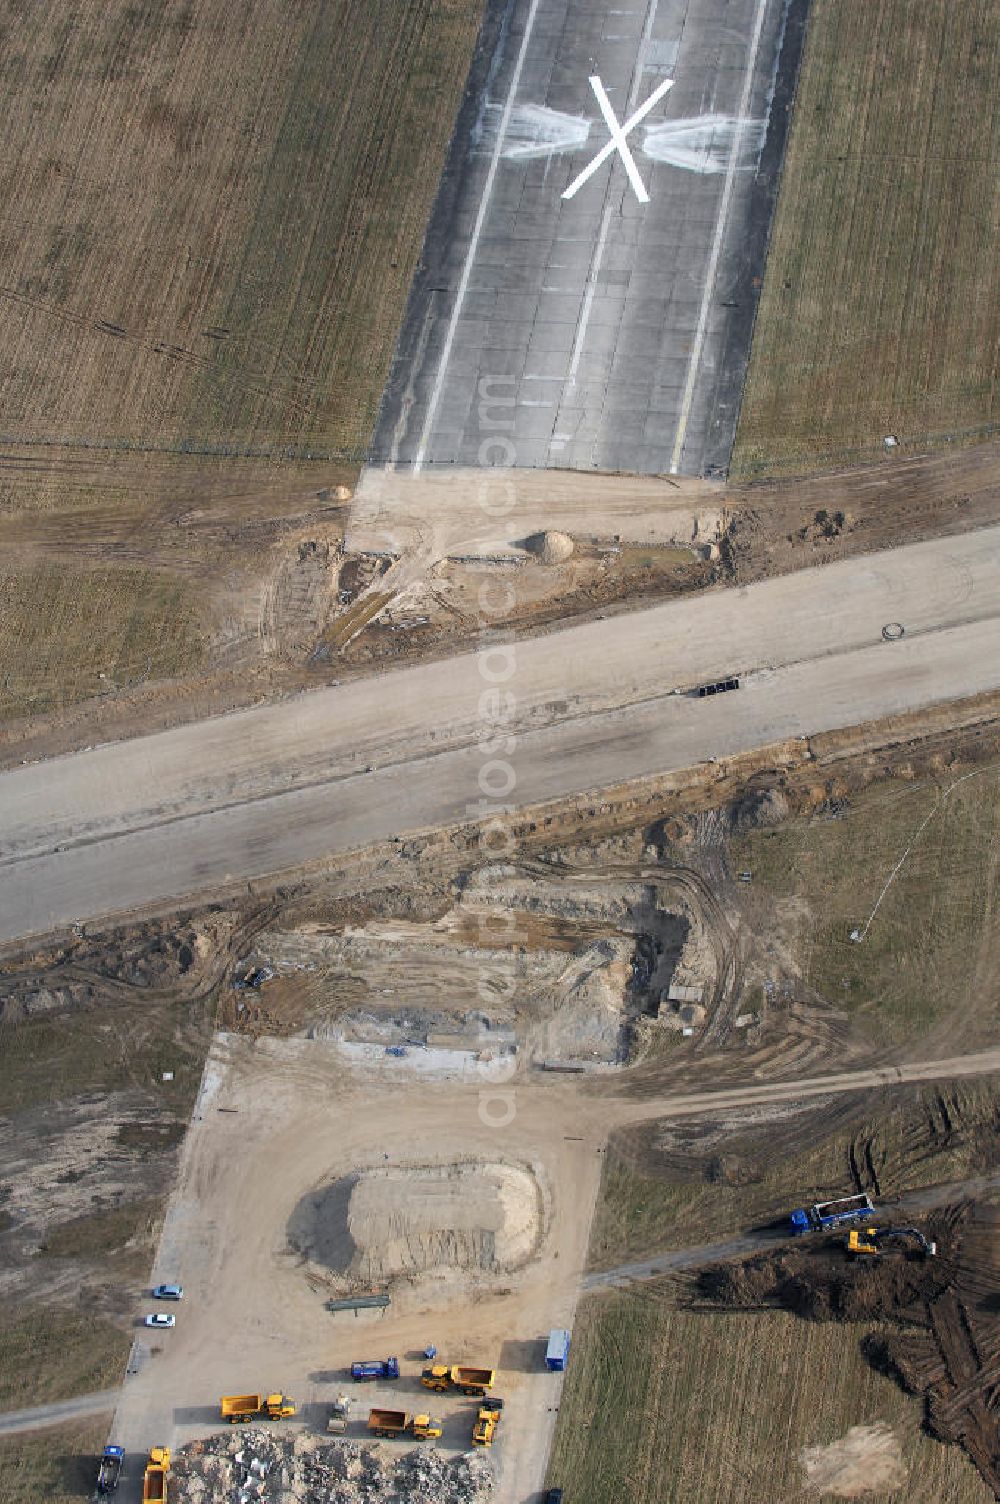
x,y
158,1319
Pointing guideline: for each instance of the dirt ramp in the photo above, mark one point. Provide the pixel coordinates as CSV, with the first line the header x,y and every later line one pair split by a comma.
x,y
484,1218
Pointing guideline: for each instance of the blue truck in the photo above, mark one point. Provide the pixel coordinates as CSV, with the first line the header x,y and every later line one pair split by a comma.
x,y
110,1470
377,1368
557,1352
826,1214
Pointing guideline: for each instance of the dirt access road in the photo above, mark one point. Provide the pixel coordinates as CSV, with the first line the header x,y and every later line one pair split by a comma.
x,y
40,1417
276,1123
592,706
670,1260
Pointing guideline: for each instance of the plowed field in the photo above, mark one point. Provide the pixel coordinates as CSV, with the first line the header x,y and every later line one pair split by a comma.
x,y
210,214
664,1404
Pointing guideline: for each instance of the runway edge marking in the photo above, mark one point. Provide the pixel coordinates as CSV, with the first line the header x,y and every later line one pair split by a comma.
x,y
720,230
477,230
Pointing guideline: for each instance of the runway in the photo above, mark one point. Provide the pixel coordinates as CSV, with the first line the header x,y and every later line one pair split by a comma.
x,y
589,707
590,275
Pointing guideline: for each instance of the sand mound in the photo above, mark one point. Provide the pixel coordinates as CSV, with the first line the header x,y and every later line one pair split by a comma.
x,y
867,1460
551,547
414,1218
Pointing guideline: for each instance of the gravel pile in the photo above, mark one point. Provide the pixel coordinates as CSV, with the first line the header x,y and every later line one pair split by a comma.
x,y
257,1467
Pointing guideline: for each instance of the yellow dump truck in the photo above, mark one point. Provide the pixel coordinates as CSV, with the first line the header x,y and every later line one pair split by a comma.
x,y
474,1381
486,1424
399,1423
239,1408
154,1481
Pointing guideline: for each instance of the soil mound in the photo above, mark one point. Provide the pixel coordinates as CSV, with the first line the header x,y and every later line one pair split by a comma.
x,y
821,1284
551,547
760,809
410,1219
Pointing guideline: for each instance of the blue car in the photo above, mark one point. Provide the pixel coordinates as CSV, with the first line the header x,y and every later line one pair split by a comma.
x,y
168,1292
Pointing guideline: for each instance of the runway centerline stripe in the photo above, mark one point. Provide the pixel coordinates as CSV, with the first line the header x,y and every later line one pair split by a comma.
x,y
484,205
602,239
720,230
588,301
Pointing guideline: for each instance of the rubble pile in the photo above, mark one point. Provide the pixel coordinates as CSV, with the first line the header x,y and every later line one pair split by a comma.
x,y
256,1467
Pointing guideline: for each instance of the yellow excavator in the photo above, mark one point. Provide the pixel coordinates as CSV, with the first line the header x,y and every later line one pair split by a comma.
x,y
866,1242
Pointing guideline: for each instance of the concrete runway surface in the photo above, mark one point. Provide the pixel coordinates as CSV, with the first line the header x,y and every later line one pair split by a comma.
x,y
589,279
265,790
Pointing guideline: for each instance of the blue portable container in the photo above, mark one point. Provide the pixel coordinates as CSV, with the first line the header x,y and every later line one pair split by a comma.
x,y
557,1352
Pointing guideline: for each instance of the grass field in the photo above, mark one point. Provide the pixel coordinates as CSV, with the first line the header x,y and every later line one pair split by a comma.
x,y
68,634
928,958
653,1199
880,311
48,1354
664,1405
113,1055
57,1465
55,1057
105,1235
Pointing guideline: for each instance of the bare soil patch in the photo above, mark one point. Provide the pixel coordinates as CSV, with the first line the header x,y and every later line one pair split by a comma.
x,y
867,1460
674,1185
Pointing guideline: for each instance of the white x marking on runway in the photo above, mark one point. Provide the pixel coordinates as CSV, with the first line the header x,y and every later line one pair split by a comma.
x,y
618,142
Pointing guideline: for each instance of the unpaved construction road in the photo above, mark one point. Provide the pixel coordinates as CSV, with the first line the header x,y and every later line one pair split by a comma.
x,y
265,790
276,1122
673,1260
40,1417
870,1078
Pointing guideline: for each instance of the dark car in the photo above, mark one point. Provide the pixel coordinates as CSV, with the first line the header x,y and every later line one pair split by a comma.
x,y
253,979
554,1496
